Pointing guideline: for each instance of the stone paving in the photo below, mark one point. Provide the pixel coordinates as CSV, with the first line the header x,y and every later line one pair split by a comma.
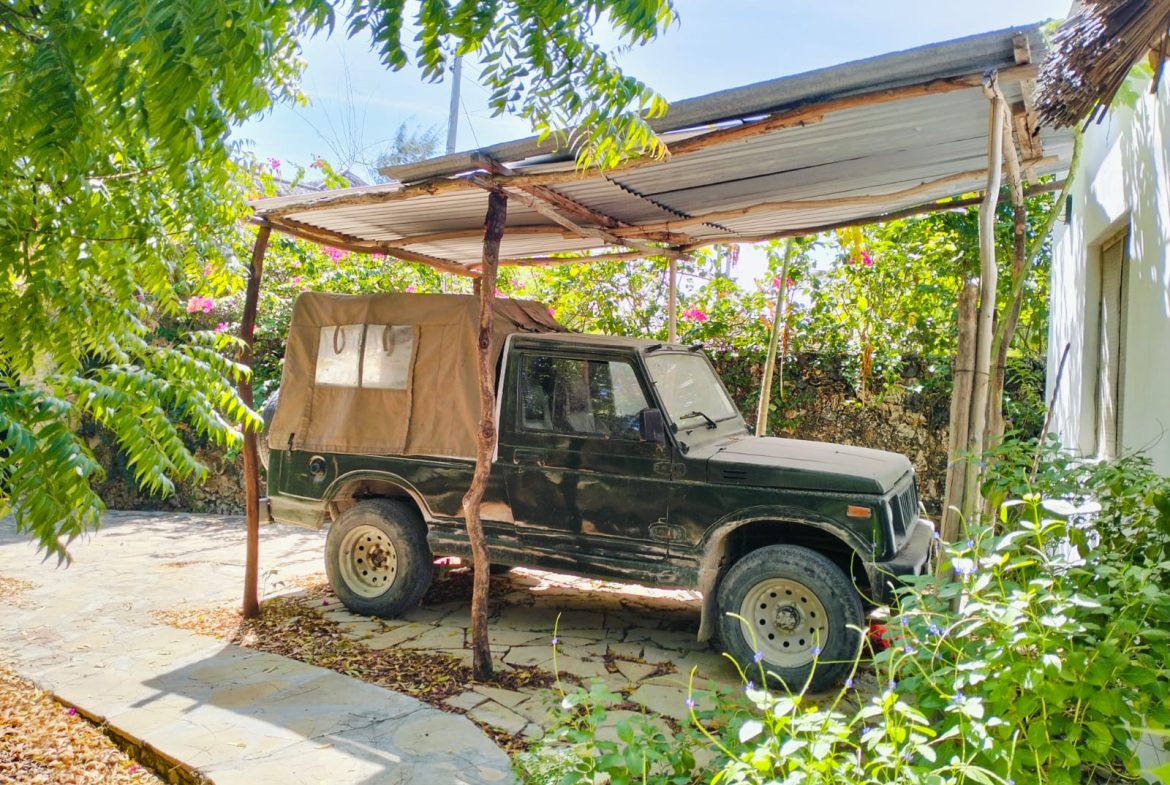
x,y
83,639
640,642
199,707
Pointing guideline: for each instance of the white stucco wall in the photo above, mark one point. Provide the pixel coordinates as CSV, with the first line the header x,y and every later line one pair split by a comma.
x,y
1123,179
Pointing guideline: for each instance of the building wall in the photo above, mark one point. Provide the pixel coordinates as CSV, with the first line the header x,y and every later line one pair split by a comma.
x,y
1123,182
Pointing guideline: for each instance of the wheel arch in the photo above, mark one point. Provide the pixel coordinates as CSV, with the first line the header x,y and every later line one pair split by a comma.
x,y
728,540
352,487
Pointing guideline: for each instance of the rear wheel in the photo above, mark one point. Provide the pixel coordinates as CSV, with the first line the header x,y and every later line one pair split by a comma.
x,y
377,558
795,609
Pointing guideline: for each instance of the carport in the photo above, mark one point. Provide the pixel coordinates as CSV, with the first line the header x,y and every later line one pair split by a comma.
x,y
877,139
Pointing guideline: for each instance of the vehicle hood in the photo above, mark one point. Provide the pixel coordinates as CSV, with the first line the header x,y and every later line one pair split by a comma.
x,y
794,463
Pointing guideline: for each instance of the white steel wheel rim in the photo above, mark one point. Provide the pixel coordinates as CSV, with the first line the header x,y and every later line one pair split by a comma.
x,y
368,561
786,620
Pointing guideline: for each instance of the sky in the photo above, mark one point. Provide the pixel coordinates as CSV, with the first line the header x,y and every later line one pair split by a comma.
x,y
356,105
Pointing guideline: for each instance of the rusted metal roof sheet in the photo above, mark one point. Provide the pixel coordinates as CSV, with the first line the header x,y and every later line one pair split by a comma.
x,y
833,146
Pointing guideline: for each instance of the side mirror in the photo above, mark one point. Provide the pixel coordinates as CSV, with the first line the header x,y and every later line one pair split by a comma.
x,y
653,426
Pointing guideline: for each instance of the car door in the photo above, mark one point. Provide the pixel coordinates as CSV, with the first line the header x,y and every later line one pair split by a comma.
x,y
580,478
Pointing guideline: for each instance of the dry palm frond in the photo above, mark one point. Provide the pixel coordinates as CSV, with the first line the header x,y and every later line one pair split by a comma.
x,y
1092,54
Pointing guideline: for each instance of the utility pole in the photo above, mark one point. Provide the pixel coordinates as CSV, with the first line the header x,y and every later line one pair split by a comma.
x,y
453,113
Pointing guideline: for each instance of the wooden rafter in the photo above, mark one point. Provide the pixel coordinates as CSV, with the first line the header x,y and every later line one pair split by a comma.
x,y
553,205
545,261
718,216
355,245
873,218
468,234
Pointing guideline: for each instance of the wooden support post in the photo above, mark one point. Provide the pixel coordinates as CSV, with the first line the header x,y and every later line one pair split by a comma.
x,y
952,523
987,288
672,301
493,233
773,343
251,607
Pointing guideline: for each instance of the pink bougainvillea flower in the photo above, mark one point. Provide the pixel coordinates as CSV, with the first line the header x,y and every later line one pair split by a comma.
x,y
199,304
410,289
866,259
318,164
695,315
552,312
296,280
335,254
274,163
72,711
221,327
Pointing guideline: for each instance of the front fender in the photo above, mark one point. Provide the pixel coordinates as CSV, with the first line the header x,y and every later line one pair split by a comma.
x,y
714,549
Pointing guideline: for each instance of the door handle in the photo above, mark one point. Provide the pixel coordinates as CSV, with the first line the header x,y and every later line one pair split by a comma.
x,y
533,457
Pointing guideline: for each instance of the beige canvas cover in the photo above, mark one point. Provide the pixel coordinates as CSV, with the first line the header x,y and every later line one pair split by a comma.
x,y
389,374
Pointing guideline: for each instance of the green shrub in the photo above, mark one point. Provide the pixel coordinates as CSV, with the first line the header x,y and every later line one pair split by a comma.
x,y
1037,655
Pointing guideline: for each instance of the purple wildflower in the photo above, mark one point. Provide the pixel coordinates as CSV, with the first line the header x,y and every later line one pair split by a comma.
x,y
690,703
758,657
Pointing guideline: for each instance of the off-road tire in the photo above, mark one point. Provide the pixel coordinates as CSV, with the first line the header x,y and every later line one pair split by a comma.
x,y
377,558
795,600
266,415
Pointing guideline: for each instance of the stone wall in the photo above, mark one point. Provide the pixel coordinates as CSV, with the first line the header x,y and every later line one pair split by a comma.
x,y
819,403
221,493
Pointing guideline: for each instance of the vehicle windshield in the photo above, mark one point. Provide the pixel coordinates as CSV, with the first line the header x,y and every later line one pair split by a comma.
x,y
689,389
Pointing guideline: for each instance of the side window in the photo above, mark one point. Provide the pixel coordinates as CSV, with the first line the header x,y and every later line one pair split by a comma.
x,y
386,360
339,353
580,397
372,356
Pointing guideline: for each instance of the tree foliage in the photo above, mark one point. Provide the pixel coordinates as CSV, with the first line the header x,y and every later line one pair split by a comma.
x,y
123,201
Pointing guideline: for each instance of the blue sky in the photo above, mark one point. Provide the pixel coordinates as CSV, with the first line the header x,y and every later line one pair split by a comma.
x,y
354,104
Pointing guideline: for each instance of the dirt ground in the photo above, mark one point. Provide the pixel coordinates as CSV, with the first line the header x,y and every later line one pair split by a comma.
x,y
43,742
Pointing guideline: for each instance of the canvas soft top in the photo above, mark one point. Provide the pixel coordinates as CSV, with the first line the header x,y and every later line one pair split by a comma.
x,y
389,374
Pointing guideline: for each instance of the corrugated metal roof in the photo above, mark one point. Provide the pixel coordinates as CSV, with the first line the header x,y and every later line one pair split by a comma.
x,y
880,153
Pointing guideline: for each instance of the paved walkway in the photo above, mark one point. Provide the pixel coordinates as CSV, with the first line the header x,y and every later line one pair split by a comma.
x,y
232,715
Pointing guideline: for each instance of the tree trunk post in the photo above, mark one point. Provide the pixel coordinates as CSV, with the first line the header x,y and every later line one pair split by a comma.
x,y
778,323
1010,316
251,607
951,527
493,232
672,301
987,289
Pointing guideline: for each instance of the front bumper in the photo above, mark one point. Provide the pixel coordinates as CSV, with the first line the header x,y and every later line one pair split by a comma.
x,y
914,558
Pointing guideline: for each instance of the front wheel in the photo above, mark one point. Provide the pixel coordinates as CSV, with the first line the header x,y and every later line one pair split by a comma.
x,y
377,558
795,611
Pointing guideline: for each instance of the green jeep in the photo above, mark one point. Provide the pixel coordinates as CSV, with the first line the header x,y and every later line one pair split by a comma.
x,y
617,458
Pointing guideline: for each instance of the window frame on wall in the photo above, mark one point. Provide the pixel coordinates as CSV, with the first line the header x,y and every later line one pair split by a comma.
x,y
1108,381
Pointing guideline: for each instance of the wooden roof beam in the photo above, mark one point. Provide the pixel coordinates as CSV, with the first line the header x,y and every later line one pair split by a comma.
x,y
355,245
471,234
545,261
718,216
893,215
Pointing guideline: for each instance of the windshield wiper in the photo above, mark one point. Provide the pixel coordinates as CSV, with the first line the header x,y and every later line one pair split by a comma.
x,y
711,425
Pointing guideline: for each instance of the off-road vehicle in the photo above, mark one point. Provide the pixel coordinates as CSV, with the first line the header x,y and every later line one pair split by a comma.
x,y
618,458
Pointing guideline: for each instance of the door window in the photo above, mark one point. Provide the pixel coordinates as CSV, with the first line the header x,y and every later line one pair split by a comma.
x,y
580,397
